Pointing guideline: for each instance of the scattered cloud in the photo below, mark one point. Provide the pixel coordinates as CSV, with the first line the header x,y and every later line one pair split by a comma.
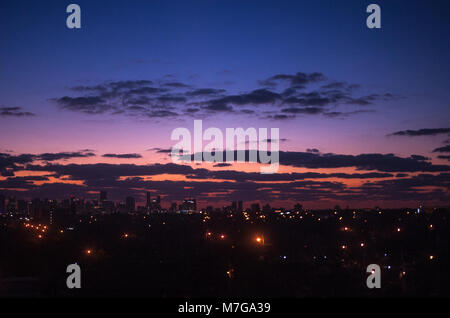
x,y
122,156
442,149
422,132
14,112
279,97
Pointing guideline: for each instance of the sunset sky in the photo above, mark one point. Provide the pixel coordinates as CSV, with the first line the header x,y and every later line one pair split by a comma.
x,y
363,113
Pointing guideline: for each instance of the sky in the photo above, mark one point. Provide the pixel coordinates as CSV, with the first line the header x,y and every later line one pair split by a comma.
x,y
363,113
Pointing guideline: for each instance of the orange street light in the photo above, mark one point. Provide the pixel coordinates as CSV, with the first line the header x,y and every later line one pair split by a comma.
x,y
260,239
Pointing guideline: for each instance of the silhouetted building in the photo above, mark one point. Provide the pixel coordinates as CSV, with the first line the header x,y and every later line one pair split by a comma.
x,y
12,205
22,207
149,201
267,209
189,206
156,204
103,196
107,206
74,203
240,207
255,207
36,208
2,204
130,204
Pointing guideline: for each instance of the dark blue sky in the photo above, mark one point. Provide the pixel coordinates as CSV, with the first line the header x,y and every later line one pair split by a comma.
x,y
253,39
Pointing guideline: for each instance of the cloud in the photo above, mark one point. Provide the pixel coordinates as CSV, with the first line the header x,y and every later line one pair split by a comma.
x,y
88,105
256,97
442,149
422,132
64,155
297,80
122,156
121,180
161,150
222,164
14,112
305,110
176,85
444,157
373,161
10,163
279,97
205,92
347,114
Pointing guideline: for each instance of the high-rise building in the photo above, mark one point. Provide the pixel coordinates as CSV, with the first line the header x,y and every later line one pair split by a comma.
x,y
103,196
12,205
189,206
156,204
255,207
149,201
130,204
22,207
2,204
240,206
36,208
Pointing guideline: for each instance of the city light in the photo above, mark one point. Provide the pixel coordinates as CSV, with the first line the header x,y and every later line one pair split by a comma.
x,y
259,239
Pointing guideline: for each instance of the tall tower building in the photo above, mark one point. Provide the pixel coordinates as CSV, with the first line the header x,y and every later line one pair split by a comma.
x,y
240,206
2,204
130,204
149,201
103,196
